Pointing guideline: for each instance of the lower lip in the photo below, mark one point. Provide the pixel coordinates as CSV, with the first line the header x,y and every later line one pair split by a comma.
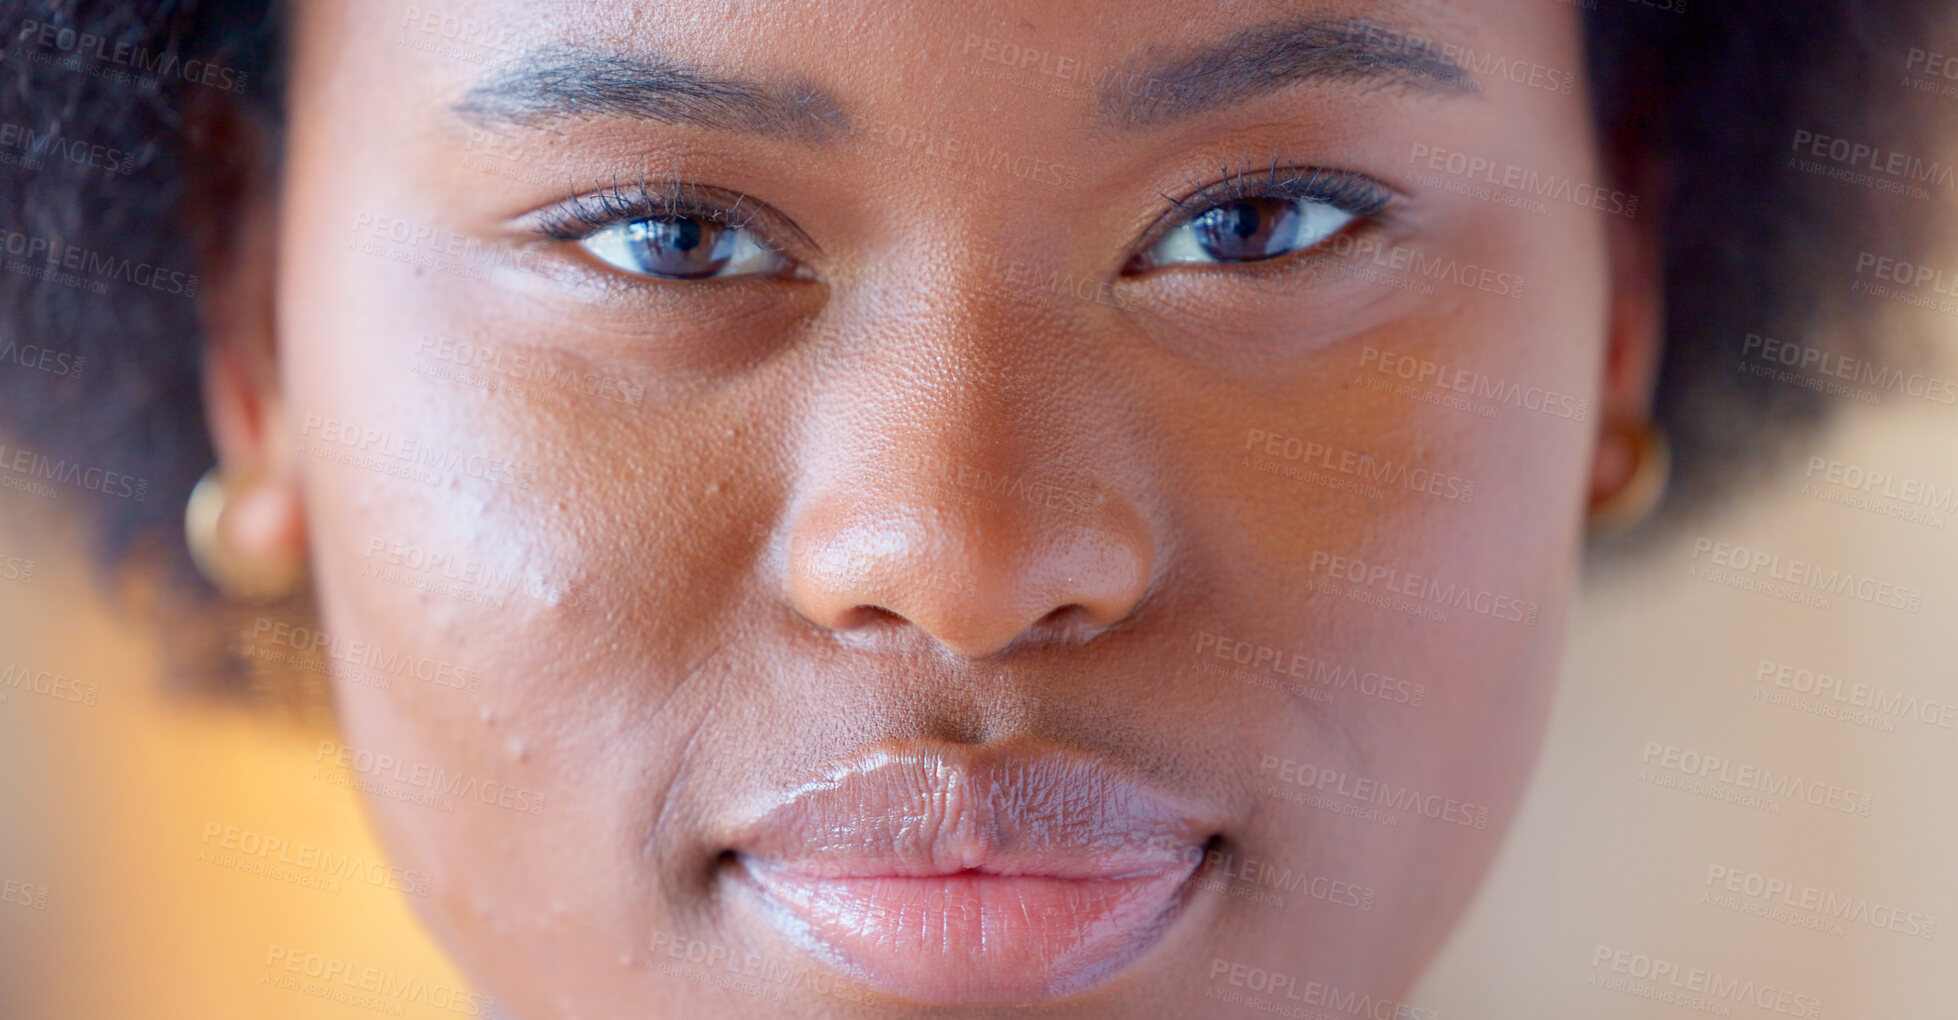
x,y
973,937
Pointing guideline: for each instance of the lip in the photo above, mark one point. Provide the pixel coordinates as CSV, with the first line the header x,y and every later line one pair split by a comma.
x,y
955,874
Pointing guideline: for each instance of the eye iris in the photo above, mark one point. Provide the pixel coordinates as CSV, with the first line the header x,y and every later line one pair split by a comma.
x,y
685,247
1249,230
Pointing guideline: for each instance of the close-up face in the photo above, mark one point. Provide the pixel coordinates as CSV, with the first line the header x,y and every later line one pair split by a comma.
x,y
922,508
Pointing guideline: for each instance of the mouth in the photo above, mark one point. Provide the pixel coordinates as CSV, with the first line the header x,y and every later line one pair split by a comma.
x,y
950,874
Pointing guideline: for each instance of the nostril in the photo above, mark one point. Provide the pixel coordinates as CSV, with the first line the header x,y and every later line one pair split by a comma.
x,y
1070,622
868,617
975,578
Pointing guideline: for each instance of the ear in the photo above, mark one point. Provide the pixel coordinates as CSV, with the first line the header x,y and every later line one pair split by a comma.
x,y
1635,344
233,207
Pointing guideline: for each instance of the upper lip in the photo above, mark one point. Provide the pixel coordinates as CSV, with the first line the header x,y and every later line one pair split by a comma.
x,y
926,808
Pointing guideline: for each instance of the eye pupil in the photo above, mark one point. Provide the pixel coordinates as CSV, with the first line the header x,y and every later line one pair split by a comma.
x,y
1245,219
684,247
1250,230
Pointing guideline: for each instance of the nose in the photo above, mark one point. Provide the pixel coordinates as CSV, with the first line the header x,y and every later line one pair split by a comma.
x,y
940,546
967,493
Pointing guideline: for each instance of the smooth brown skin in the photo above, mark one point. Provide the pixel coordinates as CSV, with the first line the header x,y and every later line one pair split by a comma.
x,y
727,536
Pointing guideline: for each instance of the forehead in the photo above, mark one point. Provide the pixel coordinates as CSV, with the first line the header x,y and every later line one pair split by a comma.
x,y
823,52
811,24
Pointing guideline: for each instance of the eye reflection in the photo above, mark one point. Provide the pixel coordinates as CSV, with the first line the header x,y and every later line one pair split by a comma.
x,y
683,247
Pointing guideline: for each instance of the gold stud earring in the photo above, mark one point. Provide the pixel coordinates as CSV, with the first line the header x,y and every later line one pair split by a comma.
x,y
1644,490
238,577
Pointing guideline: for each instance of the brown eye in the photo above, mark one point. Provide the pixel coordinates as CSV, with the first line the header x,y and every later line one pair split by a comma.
x,y
682,247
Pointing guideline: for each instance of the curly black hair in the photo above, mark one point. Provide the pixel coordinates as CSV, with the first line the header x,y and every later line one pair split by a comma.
x,y
1700,107
100,338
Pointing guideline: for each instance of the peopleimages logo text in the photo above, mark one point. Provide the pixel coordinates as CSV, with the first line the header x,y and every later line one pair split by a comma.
x,y
1888,162
103,50
1802,574
1861,371
1741,775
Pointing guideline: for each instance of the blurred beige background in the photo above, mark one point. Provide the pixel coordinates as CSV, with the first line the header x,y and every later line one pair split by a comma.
x,y
1603,858
118,815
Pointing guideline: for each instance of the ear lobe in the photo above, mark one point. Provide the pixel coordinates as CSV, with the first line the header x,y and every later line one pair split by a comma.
x,y
260,523
1627,449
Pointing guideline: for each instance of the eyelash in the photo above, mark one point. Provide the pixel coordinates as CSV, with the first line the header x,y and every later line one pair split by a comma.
x,y
584,215
1358,194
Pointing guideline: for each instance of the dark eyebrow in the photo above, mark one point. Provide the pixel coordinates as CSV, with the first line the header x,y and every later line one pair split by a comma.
x,y
1265,58
566,82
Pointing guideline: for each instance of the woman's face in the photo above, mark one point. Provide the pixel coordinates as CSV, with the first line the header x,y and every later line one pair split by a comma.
x,y
895,504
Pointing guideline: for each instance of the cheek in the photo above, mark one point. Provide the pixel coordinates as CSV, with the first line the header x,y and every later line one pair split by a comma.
x,y
483,513
471,473
1408,506
1448,447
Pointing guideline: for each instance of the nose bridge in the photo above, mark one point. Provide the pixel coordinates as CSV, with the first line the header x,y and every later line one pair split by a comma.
x,y
953,497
